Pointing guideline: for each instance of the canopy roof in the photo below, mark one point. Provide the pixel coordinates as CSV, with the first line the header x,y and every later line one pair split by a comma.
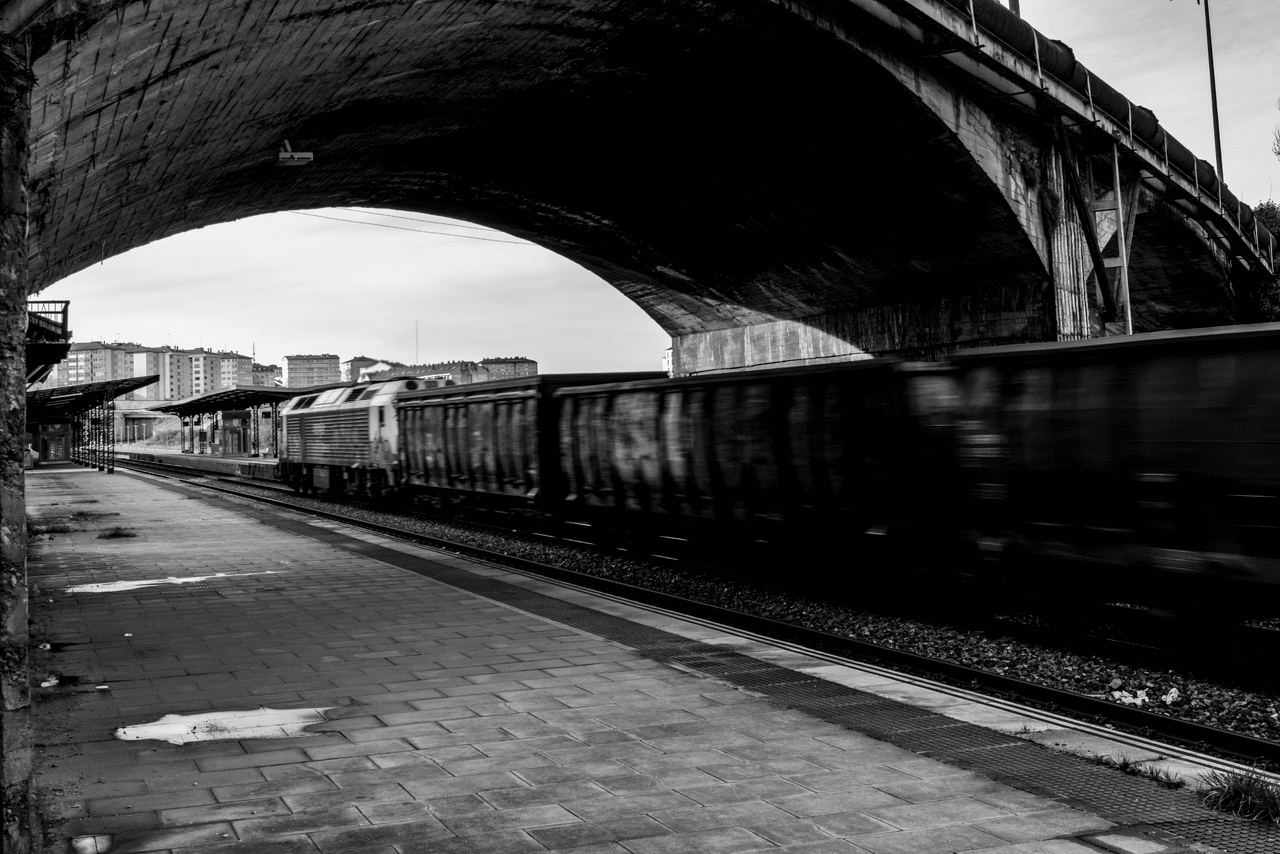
x,y
62,404
236,397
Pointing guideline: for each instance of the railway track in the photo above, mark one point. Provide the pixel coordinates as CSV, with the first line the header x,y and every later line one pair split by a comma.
x,y
1092,709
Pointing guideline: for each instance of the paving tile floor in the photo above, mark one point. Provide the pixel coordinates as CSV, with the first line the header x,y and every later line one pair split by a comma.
x,y
453,723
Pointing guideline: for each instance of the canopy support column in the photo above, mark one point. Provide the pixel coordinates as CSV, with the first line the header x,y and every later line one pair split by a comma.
x,y
109,431
255,415
77,438
95,425
275,429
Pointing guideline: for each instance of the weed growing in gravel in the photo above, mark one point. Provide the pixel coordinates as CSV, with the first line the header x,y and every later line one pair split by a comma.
x,y
1246,794
1160,776
53,528
116,533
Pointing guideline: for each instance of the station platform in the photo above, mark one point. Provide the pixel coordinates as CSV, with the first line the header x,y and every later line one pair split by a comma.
x,y
263,468
456,706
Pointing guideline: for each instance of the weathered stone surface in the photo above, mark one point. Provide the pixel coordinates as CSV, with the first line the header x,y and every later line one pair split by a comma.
x,y
14,692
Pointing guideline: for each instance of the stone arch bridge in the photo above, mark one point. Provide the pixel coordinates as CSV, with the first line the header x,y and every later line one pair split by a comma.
x,y
773,182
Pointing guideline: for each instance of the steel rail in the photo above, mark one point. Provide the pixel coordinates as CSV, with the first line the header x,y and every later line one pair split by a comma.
x,y
1246,748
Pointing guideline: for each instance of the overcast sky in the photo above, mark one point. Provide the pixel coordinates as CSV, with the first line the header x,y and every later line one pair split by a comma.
x,y
299,283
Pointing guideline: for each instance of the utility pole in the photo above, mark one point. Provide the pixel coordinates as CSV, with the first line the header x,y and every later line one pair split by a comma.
x,y
1213,91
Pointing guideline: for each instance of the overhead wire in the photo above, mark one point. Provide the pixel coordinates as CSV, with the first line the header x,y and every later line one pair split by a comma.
x,y
417,230
416,219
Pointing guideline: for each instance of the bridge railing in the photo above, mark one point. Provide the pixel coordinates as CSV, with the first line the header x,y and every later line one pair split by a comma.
x,y
47,320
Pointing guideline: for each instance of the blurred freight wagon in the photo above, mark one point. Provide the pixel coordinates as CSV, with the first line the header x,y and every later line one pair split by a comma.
x,y
488,443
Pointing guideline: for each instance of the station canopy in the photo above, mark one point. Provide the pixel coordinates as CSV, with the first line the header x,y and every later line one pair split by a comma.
x,y
236,397
56,405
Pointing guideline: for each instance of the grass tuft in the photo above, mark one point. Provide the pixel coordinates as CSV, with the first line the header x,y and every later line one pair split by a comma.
x,y
1160,776
116,533
1246,794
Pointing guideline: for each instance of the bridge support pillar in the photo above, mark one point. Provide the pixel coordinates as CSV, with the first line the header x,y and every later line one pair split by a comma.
x,y
15,696
1065,251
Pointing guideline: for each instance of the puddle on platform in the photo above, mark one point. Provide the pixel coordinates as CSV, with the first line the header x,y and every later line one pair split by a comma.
x,y
227,726
116,586
100,844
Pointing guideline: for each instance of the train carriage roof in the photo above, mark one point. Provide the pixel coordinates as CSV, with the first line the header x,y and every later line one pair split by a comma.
x,y
753,375
543,384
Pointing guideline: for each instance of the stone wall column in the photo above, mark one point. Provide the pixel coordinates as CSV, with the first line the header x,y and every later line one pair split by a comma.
x,y
15,84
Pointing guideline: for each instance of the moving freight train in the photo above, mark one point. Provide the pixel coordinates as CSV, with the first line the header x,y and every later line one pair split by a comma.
x,y
1154,453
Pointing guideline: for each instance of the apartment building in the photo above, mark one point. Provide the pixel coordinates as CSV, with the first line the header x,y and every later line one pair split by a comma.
x,y
206,371
267,375
94,361
352,367
302,371
183,373
236,370
146,361
175,374
510,367
459,373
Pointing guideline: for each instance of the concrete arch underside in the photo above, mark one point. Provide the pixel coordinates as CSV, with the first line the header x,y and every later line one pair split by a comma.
x,y
723,164
1178,280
